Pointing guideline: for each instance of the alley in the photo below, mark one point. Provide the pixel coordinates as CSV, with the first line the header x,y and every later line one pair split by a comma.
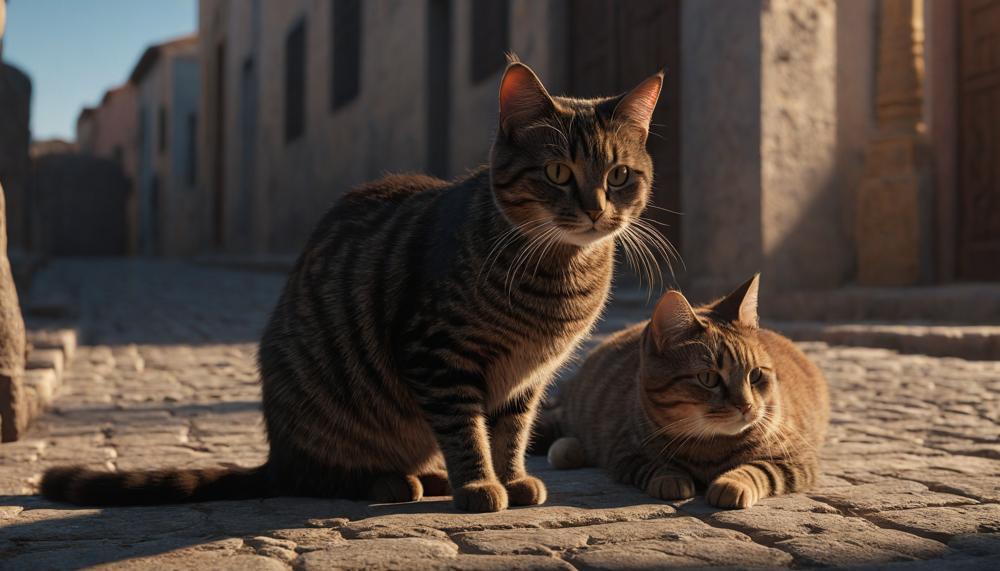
x,y
165,376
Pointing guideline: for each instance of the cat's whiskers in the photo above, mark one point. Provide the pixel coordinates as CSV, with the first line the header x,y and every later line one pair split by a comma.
x,y
542,241
522,254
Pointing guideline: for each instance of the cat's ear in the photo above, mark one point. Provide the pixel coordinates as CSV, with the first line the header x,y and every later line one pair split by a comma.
x,y
637,106
673,320
523,98
740,306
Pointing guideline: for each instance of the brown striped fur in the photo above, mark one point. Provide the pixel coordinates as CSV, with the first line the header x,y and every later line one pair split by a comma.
x,y
421,324
639,408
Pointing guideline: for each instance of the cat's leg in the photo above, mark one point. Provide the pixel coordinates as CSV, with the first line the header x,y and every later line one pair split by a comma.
x,y
453,404
658,479
511,431
435,483
744,485
391,488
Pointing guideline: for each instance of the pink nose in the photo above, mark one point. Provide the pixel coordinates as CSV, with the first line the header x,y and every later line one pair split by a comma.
x,y
745,407
595,215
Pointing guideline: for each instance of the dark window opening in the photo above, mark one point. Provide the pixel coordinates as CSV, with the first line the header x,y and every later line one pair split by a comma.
x,y
490,37
192,149
345,77
161,130
295,82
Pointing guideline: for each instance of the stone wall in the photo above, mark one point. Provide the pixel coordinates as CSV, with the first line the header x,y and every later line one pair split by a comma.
x,y
771,142
78,206
15,136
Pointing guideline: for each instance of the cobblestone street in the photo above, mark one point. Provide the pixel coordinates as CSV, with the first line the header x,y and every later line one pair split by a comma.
x,y
165,377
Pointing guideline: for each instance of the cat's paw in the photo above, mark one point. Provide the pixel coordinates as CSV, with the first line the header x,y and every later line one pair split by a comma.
x,y
671,487
729,493
526,491
396,488
481,497
436,483
566,454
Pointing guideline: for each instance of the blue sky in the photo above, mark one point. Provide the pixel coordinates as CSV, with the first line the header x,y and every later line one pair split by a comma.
x,y
76,49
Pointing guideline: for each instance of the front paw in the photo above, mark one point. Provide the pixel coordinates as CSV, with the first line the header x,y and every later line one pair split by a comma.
x,y
671,487
483,496
526,491
730,493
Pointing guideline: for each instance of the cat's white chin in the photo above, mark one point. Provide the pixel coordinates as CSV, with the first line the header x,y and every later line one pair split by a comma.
x,y
584,238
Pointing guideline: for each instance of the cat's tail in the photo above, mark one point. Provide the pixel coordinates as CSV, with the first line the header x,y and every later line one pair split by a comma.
x,y
82,486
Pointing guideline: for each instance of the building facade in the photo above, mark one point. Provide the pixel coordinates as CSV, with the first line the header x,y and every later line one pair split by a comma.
x,y
169,209
823,143
110,131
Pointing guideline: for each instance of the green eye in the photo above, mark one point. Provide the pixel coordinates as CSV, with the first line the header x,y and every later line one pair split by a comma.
x,y
708,379
558,173
618,175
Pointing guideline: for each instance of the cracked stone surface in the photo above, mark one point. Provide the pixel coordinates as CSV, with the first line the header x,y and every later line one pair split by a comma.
x,y
165,377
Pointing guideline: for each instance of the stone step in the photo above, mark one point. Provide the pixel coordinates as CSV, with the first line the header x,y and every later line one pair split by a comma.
x,y
961,304
974,342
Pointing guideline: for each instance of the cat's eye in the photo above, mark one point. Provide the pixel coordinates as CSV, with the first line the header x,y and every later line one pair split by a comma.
x,y
558,173
618,175
756,375
708,379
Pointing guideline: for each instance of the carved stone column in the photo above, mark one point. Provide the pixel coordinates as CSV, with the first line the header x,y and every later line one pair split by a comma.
x,y
892,208
13,416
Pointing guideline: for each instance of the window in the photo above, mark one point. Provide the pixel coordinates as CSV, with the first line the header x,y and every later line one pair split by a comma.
x,y
490,38
345,77
161,130
192,149
295,82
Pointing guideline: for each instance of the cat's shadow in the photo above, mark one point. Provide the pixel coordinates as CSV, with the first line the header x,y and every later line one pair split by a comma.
x,y
36,533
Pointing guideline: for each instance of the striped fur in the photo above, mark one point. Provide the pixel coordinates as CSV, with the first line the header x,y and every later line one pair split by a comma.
x,y
420,326
639,408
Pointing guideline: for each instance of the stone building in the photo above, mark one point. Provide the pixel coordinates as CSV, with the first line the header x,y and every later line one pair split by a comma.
x,y
15,138
169,209
110,131
823,143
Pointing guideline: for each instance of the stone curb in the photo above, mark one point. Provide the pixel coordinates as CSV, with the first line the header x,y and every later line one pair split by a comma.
x,y
973,342
50,350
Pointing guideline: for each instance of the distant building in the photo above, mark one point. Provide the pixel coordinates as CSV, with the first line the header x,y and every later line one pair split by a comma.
x,y
15,136
110,131
822,143
170,211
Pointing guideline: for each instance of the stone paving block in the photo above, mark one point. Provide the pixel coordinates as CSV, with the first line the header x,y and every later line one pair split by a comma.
x,y
888,495
686,552
860,547
387,553
942,523
46,359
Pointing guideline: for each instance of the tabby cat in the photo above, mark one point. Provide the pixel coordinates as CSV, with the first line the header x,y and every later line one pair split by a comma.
x,y
696,398
420,326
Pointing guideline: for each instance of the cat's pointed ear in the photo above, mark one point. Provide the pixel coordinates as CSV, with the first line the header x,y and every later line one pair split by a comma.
x,y
673,320
740,306
523,98
637,106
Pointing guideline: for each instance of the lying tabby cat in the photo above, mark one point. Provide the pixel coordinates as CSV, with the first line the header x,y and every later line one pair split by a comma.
x,y
696,397
422,323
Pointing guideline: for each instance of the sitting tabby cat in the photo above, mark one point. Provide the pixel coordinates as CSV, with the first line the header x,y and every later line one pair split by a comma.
x,y
696,397
421,324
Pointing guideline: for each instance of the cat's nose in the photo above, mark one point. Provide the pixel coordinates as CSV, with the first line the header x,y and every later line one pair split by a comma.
x,y
745,407
595,215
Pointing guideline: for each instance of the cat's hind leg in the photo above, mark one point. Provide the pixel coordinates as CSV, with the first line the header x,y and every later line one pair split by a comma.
x,y
392,488
435,483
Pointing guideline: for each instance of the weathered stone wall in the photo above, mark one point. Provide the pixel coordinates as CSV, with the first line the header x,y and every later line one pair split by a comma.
x,y
276,190
15,137
78,206
767,164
